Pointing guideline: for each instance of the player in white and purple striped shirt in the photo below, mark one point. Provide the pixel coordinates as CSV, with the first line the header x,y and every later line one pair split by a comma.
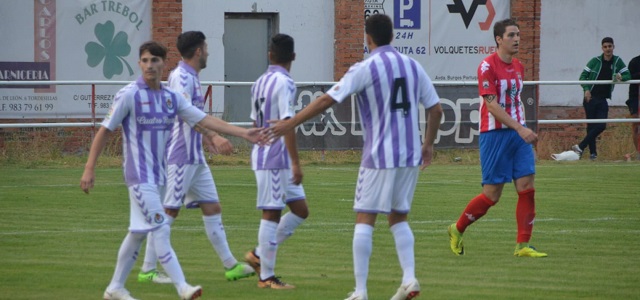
x,y
389,87
276,166
146,109
189,179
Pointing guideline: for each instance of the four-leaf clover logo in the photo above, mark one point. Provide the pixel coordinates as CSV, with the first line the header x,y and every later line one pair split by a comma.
x,y
111,49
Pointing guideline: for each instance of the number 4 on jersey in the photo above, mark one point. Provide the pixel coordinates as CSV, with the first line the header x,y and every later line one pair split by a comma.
x,y
400,85
258,104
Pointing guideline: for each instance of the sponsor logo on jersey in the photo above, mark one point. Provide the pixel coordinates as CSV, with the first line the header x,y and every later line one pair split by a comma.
x,y
484,66
158,218
108,116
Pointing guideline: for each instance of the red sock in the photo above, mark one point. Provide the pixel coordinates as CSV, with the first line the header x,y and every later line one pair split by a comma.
x,y
525,215
476,208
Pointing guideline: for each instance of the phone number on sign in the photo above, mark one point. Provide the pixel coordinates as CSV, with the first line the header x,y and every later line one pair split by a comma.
x,y
100,105
26,107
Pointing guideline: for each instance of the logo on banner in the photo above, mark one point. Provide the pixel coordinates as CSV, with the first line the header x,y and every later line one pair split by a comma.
x,y
406,14
373,7
109,46
467,15
112,49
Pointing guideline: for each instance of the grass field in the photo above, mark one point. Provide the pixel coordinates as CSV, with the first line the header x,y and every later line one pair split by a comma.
x,y
58,243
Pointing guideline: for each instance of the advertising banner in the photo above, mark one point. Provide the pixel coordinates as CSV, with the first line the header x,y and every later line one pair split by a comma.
x,y
68,40
339,126
448,37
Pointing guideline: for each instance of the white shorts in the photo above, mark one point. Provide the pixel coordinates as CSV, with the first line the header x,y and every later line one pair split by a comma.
x,y
385,190
275,189
189,185
146,212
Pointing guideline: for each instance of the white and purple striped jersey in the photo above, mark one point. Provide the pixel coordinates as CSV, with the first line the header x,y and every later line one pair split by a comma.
x,y
185,146
272,98
147,117
389,87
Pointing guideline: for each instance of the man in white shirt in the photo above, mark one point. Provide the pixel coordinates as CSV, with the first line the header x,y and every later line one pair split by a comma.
x,y
276,166
146,109
389,86
189,179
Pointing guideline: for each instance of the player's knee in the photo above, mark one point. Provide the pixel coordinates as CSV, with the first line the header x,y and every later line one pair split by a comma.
x,y
172,212
492,195
163,232
299,208
138,236
210,209
302,213
395,218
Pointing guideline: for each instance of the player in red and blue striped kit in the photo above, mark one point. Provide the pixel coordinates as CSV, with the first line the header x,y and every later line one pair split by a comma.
x,y
506,152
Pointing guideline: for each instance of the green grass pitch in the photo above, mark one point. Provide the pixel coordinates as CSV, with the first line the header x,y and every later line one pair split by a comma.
x,y
58,243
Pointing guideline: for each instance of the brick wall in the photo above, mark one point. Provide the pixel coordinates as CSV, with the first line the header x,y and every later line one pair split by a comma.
x,y
527,14
348,34
166,25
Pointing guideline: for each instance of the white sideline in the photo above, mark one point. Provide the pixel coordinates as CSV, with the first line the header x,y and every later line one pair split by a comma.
x,y
348,227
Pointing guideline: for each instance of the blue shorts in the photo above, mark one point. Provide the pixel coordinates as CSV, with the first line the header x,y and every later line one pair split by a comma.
x,y
505,156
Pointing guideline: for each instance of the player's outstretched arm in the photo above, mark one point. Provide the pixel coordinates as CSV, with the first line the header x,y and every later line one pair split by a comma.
x,y
433,125
209,123
281,127
89,175
217,144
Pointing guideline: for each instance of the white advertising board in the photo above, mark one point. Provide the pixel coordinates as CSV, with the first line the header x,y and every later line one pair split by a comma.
x,y
68,40
449,38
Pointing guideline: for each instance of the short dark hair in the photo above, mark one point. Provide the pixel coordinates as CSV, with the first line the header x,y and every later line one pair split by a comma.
x,y
155,48
282,48
380,28
188,42
607,40
501,27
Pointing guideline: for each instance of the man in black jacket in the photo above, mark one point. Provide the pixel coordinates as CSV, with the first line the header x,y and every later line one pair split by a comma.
x,y
632,102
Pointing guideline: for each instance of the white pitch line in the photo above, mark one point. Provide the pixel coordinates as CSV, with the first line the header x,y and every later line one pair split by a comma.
x,y
57,185
346,226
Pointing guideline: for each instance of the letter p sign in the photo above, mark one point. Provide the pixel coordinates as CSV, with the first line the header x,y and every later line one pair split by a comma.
x,y
406,14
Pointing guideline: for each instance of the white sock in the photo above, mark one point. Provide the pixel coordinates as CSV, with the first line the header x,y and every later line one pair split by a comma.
x,y
150,256
167,257
127,256
218,238
288,224
362,247
268,248
404,247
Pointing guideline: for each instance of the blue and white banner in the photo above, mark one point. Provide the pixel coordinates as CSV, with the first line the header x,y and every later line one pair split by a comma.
x,y
448,37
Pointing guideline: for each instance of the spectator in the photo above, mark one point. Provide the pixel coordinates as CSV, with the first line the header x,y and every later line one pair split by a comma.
x,y
604,67
632,102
